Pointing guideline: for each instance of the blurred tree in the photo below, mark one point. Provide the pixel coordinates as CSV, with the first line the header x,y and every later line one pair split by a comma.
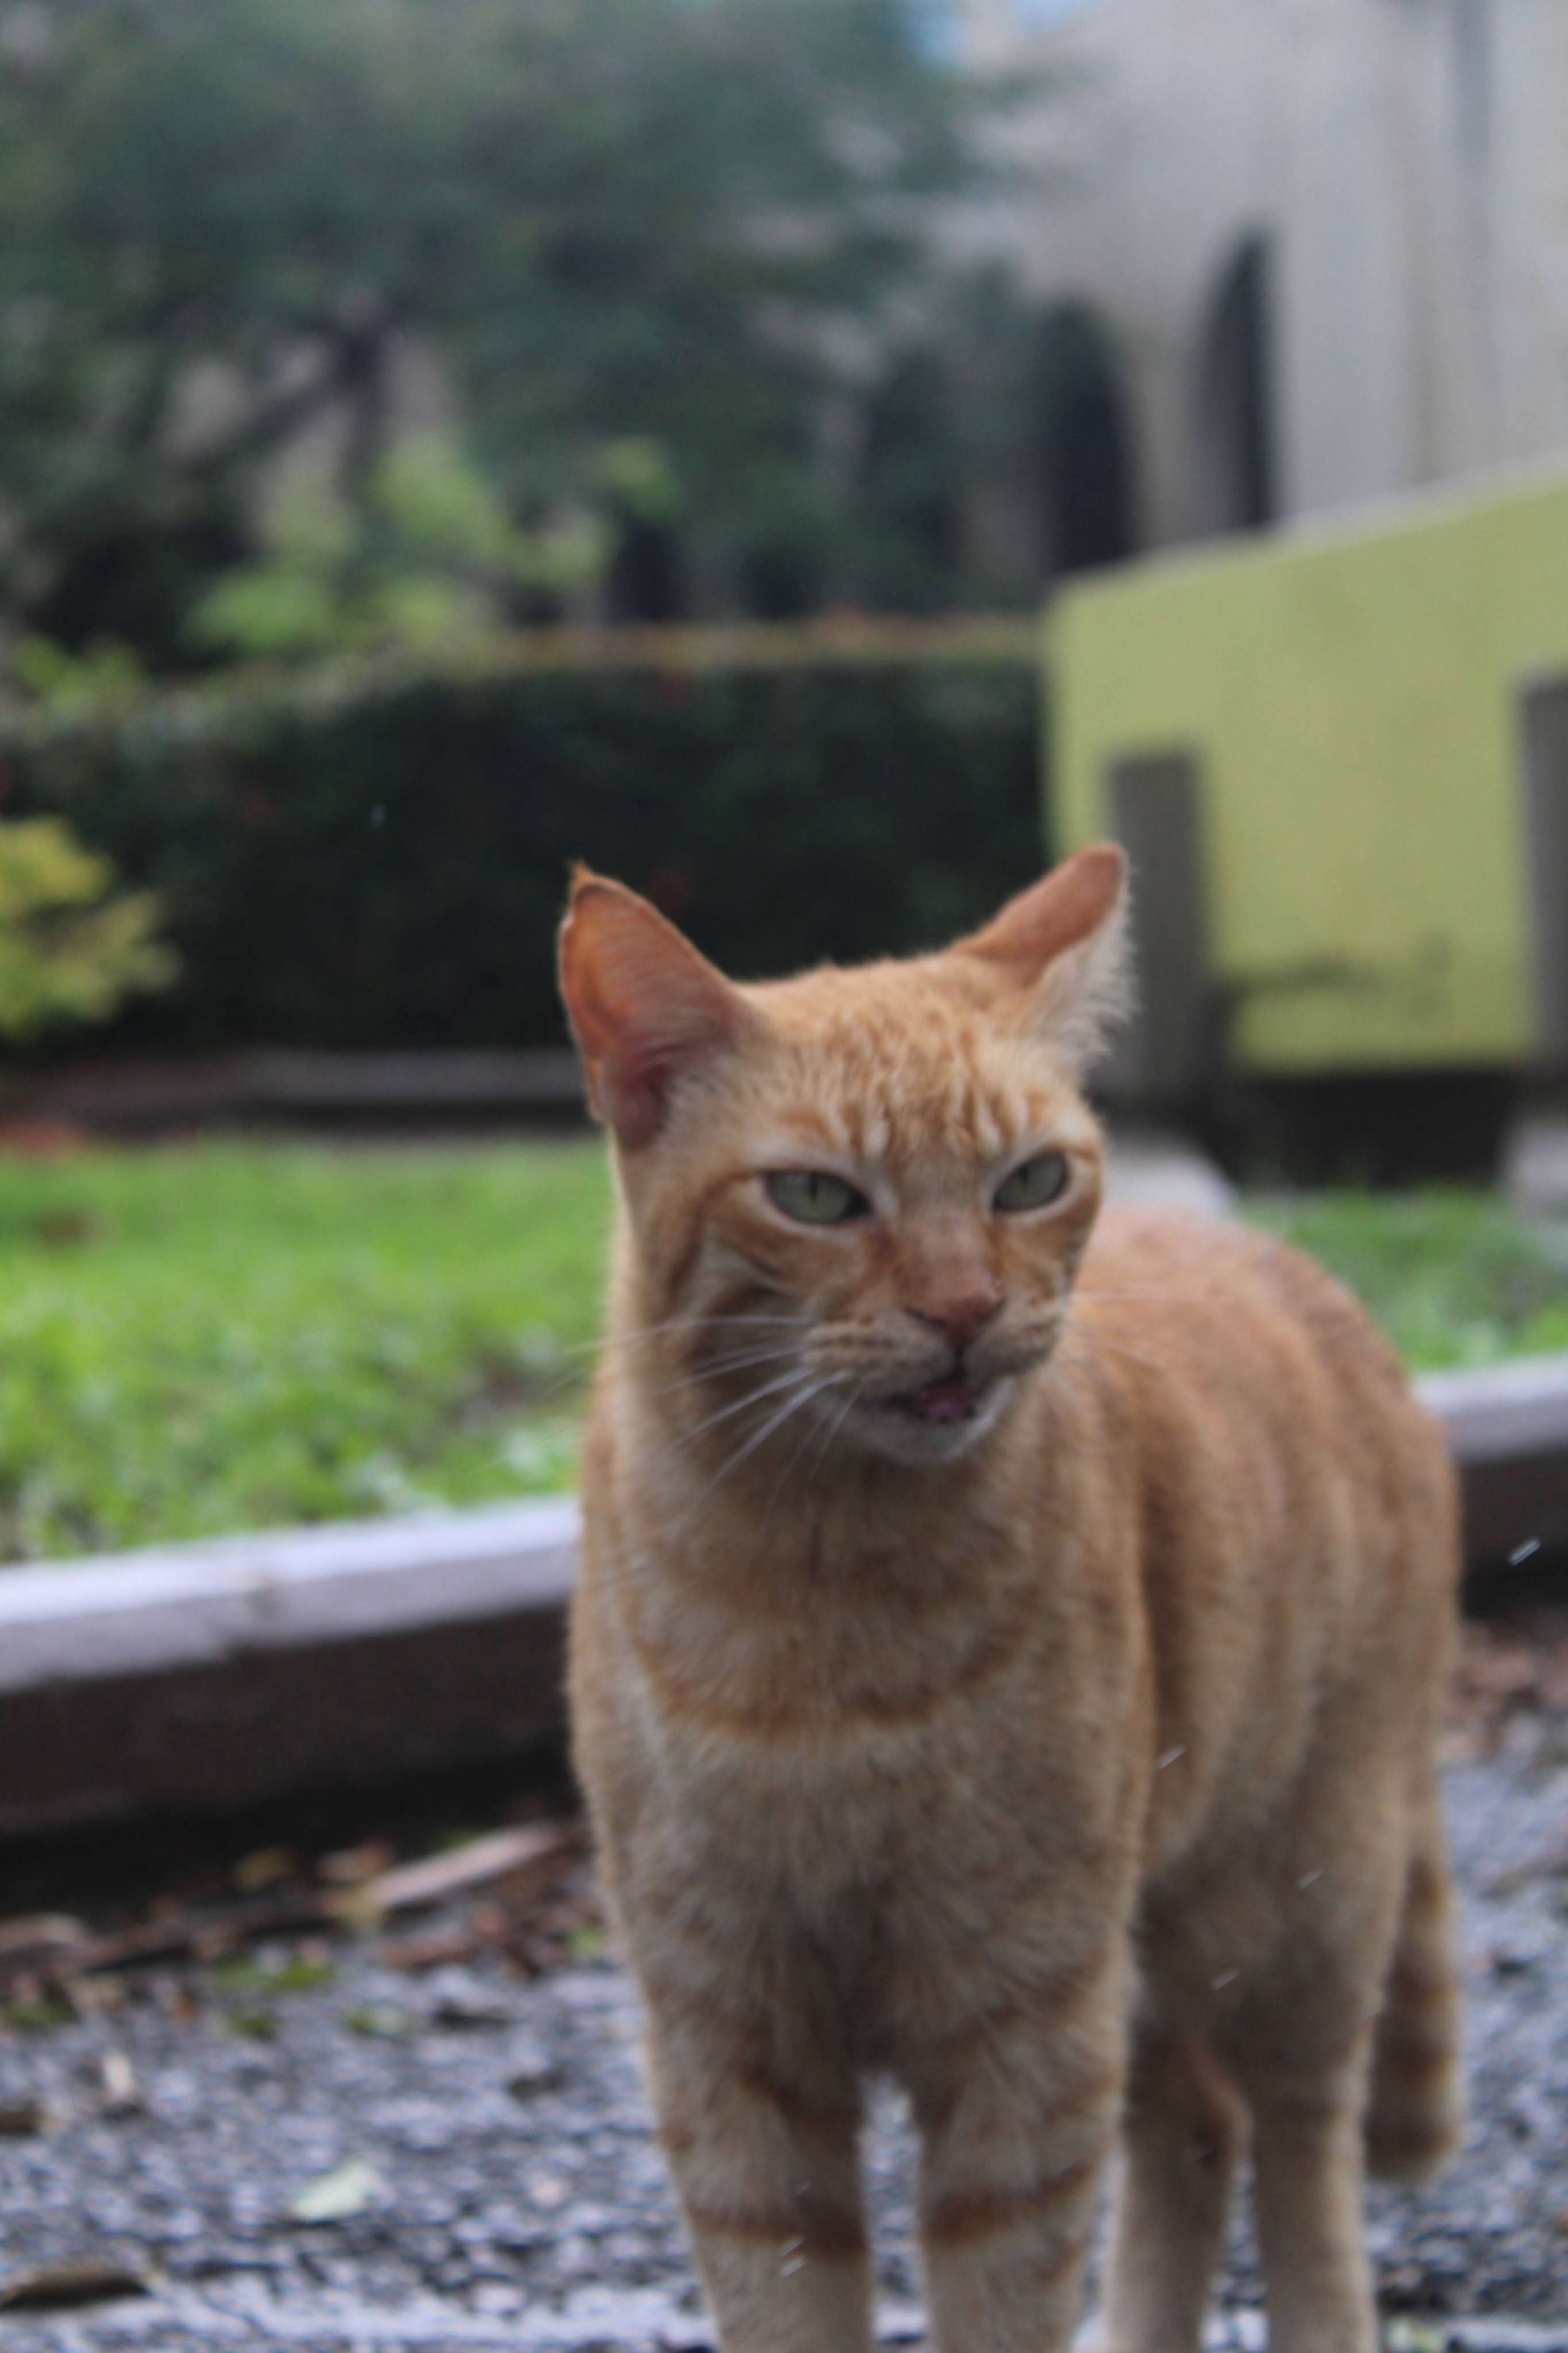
x,y
677,225
70,948
910,476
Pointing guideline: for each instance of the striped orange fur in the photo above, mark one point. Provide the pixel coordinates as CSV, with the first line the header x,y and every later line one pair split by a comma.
x,y
1006,1657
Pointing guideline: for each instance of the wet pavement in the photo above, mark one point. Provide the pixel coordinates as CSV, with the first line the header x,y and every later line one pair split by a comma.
x,y
474,2155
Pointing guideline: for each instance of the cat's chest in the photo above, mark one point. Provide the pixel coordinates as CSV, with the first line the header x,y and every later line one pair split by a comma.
x,y
866,1836
866,1766
801,1673
857,1729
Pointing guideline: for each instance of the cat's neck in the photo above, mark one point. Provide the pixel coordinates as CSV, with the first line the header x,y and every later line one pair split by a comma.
x,y
810,1518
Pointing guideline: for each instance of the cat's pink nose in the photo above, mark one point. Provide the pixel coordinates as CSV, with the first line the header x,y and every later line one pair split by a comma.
x,y
959,1314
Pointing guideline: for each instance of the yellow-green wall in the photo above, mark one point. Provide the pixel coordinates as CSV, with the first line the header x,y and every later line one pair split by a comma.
x,y
1350,696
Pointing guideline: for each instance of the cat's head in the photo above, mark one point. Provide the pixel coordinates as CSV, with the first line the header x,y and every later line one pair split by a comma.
x,y
855,1201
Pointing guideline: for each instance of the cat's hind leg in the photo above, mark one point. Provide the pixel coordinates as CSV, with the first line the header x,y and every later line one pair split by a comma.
x,y
1299,2047
1416,2110
1184,2127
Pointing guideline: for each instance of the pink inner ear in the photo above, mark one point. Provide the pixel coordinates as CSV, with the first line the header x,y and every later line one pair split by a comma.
x,y
645,1008
1055,914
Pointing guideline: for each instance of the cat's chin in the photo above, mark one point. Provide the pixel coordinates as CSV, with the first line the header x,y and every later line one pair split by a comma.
x,y
931,1425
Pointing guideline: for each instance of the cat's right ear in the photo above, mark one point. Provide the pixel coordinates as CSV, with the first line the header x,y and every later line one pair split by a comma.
x,y
645,1008
1064,942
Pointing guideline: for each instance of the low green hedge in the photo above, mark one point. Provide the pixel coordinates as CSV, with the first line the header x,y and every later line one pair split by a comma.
x,y
377,858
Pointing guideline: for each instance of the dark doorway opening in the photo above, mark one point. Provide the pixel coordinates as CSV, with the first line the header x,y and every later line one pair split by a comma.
x,y
1543,730
910,471
1087,483
1237,472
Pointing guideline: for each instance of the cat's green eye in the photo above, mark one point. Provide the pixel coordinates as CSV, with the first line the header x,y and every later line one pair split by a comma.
x,y
814,1199
1036,1185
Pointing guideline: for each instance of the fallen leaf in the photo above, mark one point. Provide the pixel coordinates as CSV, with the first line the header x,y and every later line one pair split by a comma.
x,y
91,2281
1414,2336
352,1866
269,1866
416,1885
256,2025
246,1973
93,1996
332,2197
35,2014
119,2092
429,1952
382,2021
18,2118
40,1933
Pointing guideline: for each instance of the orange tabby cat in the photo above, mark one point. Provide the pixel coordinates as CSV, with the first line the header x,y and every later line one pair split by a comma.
x,y
1004,1661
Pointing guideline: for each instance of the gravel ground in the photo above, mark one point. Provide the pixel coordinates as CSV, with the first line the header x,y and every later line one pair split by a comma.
x,y
508,2194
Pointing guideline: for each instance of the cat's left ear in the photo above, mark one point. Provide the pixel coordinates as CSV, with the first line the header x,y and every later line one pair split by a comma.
x,y
1065,942
646,1009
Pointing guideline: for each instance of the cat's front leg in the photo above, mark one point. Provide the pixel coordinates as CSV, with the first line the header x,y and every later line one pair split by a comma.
x,y
767,2164
1019,2114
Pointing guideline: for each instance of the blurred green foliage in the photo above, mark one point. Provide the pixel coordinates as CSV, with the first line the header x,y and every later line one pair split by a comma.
x,y
99,676
70,948
1454,1276
196,1340
429,558
618,224
377,856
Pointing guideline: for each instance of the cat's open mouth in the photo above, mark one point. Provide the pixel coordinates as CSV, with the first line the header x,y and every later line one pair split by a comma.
x,y
946,1401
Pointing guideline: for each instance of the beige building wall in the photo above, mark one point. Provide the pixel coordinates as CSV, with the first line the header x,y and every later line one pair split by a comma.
x,y
1400,167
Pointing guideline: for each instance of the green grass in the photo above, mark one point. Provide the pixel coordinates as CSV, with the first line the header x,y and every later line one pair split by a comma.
x,y
198,1340
207,1338
1454,1276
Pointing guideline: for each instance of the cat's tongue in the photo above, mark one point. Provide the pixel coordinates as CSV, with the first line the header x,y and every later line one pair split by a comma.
x,y
942,1401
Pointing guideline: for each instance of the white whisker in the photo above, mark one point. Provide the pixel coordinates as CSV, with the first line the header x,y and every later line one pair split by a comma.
x,y
649,1333
718,1366
811,1386
739,1405
828,1431
820,1429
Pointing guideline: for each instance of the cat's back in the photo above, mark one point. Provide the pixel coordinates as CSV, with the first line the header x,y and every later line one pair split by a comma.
x,y
1294,1502
1244,1376
1207,1303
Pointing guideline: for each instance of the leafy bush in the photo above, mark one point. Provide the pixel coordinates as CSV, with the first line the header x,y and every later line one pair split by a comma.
x,y
377,856
428,557
69,948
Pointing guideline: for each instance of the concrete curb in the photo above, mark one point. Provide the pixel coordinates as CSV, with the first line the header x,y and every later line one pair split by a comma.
x,y
217,1674
1507,1430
